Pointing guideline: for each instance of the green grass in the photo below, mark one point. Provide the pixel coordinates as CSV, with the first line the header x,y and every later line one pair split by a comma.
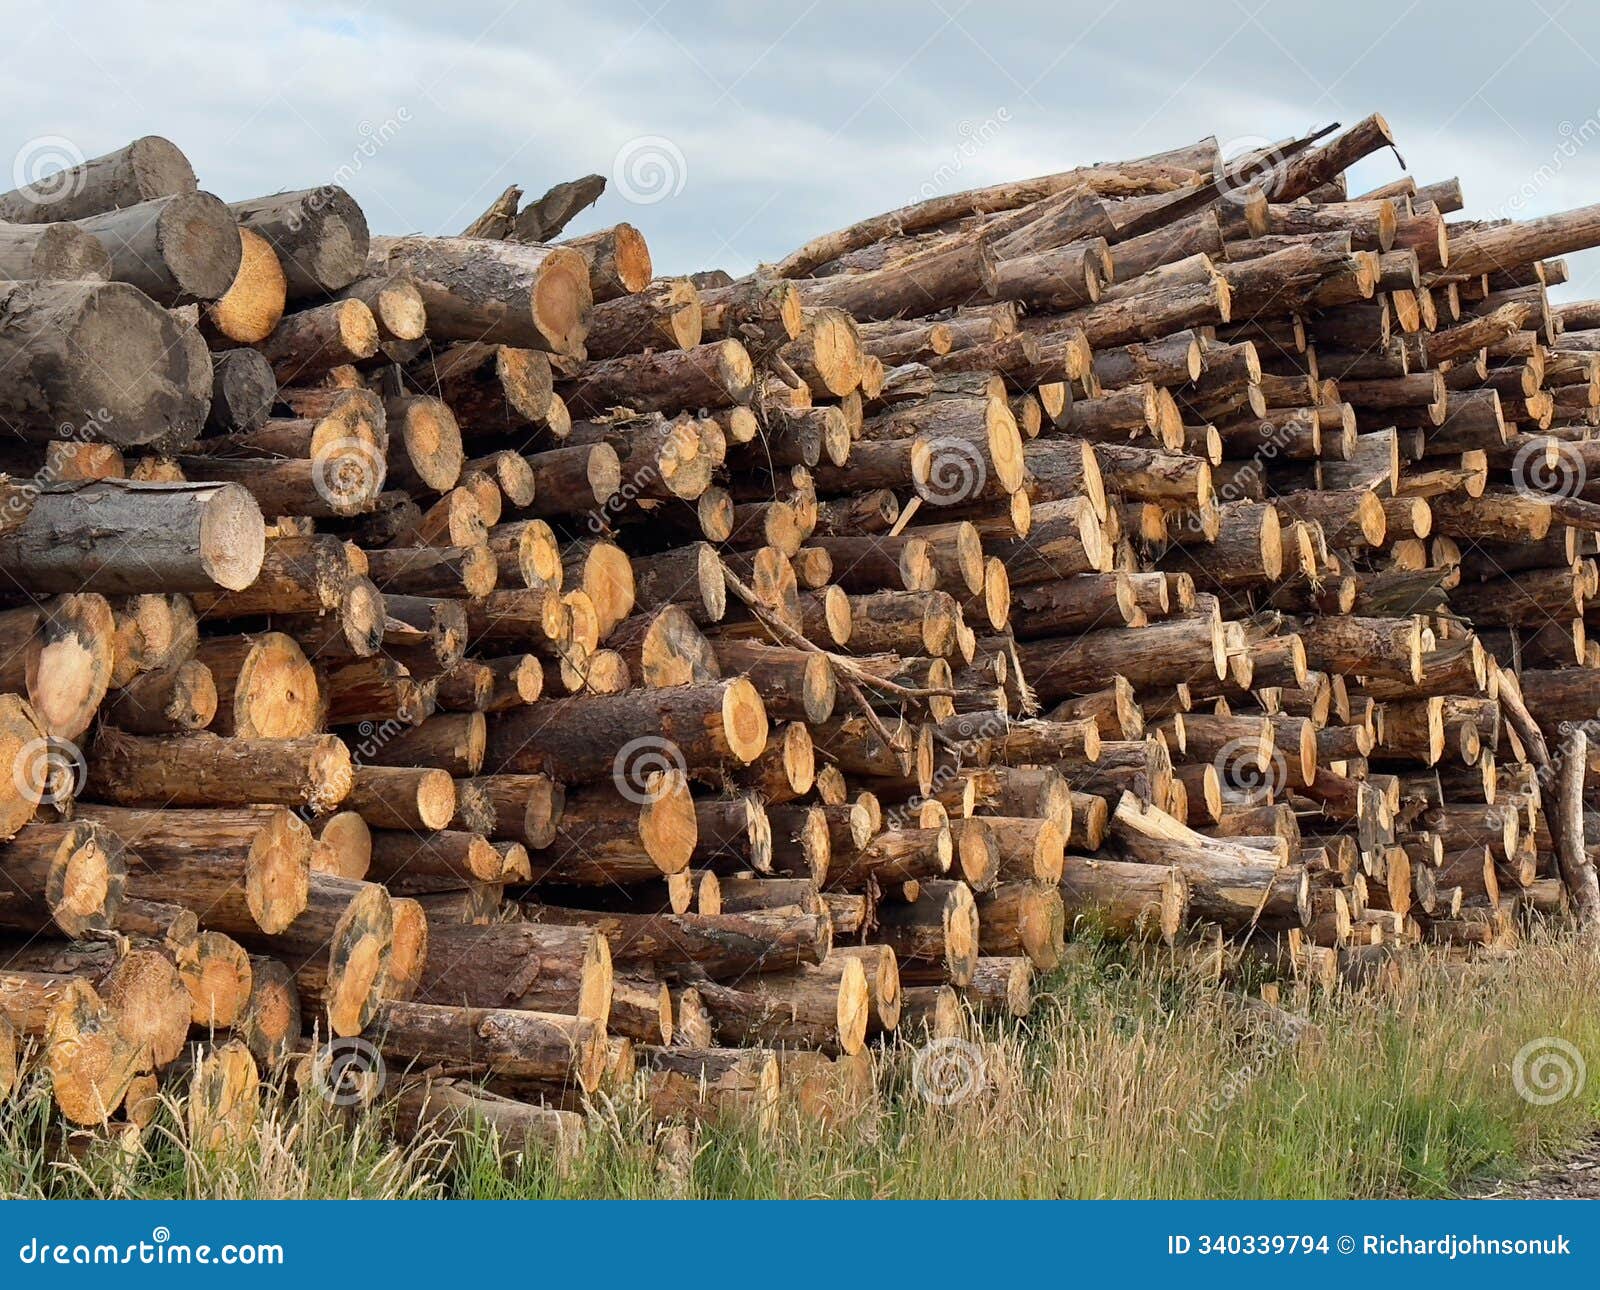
x,y
1129,1080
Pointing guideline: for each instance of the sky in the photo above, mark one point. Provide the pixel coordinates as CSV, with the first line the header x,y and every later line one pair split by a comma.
x,y
731,133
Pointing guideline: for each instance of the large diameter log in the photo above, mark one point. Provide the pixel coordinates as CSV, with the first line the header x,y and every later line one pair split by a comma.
x,y
530,966
176,249
140,984
451,1109
244,869
99,361
319,234
203,770
619,261
1023,918
503,1042
811,1008
534,297
250,308
587,737
63,252
91,1061
626,832
243,390
707,1085
339,948
147,168
124,538
69,876
527,808
266,689
690,946
269,1023
491,388
61,654
938,930
23,742
1127,899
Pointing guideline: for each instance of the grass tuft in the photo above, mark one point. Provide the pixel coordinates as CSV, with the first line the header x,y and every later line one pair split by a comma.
x,y
1130,1079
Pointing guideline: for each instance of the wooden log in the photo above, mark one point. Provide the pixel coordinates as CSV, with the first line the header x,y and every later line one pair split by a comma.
x,y
203,770
687,946
319,235
532,297
176,249
248,311
123,538
145,169
266,689
147,384
819,1007
246,868
503,1043
938,930
519,965
91,1061
590,736
62,252
66,876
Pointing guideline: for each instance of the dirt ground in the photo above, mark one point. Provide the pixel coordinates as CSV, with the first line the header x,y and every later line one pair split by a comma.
x,y
1577,1178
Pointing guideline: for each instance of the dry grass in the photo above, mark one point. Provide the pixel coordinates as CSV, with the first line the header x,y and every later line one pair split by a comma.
x,y
1128,1080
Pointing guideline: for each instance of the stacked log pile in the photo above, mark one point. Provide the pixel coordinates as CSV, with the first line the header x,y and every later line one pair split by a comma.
x,y
484,655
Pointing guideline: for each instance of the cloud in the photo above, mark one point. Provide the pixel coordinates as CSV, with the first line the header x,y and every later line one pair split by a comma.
x,y
796,119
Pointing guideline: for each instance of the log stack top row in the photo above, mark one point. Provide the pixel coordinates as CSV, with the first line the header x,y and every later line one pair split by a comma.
x,y
550,676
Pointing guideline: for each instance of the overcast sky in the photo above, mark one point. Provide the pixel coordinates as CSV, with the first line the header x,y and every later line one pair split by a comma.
x,y
733,132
